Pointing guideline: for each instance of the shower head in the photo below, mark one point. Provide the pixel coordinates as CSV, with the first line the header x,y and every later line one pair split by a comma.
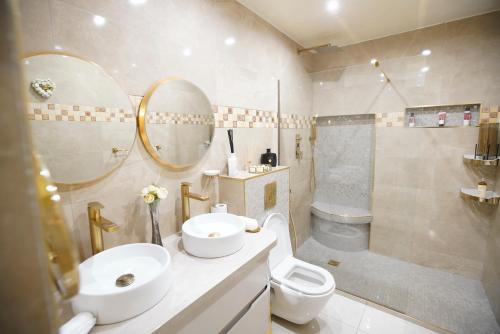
x,y
324,48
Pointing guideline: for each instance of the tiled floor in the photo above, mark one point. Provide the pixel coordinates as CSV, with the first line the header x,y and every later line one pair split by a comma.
x,y
448,301
343,315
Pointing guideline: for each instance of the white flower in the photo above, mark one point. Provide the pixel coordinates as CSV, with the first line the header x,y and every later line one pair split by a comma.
x,y
152,188
149,198
144,191
162,193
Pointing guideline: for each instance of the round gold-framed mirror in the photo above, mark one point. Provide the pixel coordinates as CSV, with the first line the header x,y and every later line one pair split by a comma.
x,y
83,124
176,123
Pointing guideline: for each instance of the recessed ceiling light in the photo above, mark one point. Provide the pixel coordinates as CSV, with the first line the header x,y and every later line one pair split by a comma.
x,y
321,83
99,20
57,47
424,69
332,6
187,52
134,65
137,2
426,52
230,41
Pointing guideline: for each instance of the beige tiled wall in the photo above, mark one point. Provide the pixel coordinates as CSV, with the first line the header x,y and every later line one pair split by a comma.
x,y
139,45
418,213
491,273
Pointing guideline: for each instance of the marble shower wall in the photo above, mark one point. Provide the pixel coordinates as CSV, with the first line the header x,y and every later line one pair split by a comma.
x,y
138,45
344,160
418,213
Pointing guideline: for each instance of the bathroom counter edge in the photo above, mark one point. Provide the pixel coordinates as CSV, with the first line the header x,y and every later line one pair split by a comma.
x,y
193,278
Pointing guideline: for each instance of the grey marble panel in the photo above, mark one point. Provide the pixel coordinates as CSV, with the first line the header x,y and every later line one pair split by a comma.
x,y
344,159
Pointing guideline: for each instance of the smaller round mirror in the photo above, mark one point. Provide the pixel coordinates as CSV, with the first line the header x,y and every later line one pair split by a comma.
x,y
83,124
176,123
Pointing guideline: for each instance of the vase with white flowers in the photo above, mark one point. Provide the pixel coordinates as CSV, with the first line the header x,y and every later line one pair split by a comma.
x,y
152,195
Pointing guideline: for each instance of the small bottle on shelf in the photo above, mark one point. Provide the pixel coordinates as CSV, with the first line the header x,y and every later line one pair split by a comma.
x,y
481,189
411,121
467,116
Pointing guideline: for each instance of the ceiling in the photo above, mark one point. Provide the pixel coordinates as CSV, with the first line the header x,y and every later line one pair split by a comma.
x,y
342,22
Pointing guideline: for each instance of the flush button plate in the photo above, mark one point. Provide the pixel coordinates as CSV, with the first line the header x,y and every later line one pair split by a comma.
x,y
270,195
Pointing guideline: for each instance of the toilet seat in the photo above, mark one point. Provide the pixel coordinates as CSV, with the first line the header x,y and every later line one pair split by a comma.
x,y
293,273
303,277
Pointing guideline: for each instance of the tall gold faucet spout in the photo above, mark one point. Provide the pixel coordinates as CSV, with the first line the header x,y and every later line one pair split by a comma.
x,y
97,223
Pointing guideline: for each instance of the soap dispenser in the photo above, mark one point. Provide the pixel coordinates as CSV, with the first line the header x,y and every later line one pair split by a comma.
x,y
268,158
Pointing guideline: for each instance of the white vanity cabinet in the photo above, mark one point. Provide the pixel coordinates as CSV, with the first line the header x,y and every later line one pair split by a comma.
x,y
239,307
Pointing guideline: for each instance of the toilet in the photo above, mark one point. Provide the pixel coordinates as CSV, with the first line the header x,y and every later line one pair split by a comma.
x,y
299,290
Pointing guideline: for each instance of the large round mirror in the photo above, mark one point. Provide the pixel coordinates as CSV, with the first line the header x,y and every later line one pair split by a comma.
x,y
176,123
82,122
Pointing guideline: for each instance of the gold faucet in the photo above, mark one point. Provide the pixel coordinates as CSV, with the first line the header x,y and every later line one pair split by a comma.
x,y
97,223
185,196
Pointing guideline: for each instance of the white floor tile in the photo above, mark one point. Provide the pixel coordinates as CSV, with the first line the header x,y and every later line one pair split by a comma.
x,y
378,322
344,309
317,326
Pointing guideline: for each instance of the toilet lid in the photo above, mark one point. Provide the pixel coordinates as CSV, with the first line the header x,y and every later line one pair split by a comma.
x,y
277,222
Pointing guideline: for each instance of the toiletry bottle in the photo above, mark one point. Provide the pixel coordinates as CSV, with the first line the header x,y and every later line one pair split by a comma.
x,y
442,118
268,158
411,121
481,189
467,116
232,165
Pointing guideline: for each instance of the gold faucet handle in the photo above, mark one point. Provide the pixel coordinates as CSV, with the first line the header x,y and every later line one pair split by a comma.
x,y
185,183
108,226
95,205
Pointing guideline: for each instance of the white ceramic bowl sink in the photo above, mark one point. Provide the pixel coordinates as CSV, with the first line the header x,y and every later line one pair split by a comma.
x,y
213,235
99,293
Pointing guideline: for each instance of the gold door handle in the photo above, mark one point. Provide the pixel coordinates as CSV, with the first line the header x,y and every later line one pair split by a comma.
x,y
61,252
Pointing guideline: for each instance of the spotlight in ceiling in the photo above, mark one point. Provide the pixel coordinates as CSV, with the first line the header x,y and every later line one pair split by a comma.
x,y
426,52
424,69
99,20
230,41
332,6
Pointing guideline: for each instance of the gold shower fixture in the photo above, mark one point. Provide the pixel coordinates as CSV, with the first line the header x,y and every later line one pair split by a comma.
x,y
376,64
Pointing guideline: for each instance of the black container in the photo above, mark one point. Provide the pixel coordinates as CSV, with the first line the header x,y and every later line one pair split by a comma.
x,y
268,158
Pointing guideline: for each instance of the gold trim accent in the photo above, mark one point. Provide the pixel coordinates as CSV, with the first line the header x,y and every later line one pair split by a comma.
x,y
490,201
141,122
85,183
243,179
333,263
61,251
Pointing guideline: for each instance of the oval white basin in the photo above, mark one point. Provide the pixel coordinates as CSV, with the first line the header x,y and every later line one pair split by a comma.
x,y
213,235
112,299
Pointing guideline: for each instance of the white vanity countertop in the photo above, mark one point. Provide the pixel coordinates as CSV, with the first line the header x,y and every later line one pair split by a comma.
x,y
192,278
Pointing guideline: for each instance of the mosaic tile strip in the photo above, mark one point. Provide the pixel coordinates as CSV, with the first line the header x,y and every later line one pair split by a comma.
x,y
293,121
490,114
390,119
76,113
176,118
233,117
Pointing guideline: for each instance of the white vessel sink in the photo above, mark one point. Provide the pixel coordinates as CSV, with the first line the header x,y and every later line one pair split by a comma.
x,y
112,299
213,235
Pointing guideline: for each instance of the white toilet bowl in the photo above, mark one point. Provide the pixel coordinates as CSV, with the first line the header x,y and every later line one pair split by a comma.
x,y
300,290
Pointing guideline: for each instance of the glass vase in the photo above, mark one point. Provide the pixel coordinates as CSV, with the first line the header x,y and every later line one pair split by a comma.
x,y
154,211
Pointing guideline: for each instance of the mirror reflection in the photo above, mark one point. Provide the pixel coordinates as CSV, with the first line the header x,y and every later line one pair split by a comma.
x,y
176,123
82,122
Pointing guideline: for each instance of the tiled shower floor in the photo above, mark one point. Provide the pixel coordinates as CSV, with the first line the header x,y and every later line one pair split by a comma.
x,y
449,301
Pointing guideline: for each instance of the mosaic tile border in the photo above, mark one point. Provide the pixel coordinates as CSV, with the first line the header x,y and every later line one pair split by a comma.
x,y
390,119
77,113
234,117
176,118
489,114
357,119
294,121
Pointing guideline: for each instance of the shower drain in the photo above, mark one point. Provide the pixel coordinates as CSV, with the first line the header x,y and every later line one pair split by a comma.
x,y
334,263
